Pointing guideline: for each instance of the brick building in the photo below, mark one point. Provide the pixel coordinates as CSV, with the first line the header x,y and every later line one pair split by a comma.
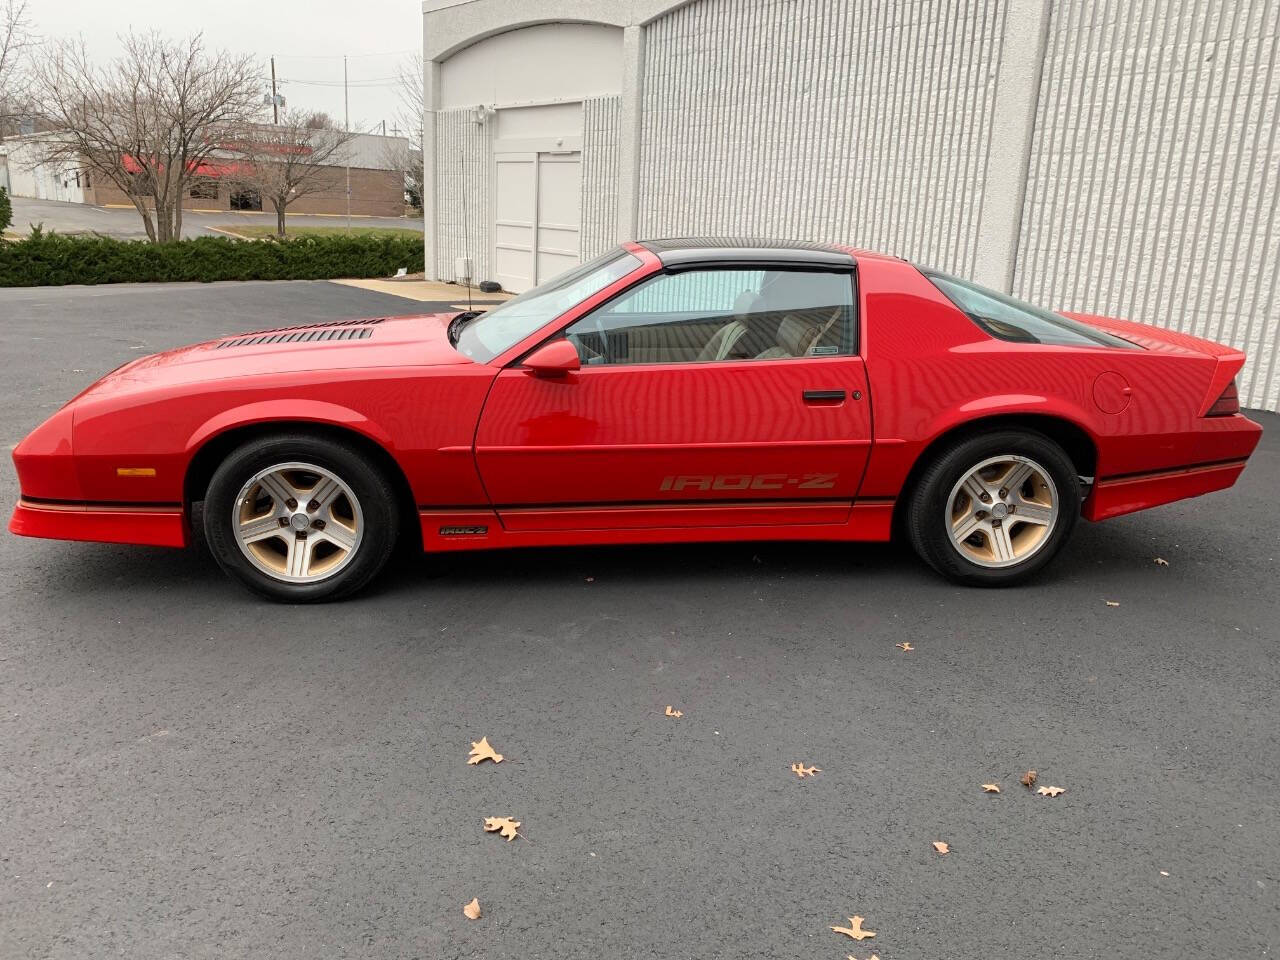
x,y
377,181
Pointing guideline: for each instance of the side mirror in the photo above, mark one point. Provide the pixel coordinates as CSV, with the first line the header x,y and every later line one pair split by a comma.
x,y
558,358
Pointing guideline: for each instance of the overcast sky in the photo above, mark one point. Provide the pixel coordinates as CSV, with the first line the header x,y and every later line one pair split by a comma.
x,y
307,39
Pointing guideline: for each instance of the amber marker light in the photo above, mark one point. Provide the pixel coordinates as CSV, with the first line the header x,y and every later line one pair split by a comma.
x,y
135,471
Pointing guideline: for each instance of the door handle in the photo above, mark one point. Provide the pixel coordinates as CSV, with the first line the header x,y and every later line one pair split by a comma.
x,y
824,396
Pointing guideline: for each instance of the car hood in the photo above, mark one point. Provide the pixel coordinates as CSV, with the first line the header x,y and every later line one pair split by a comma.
x,y
415,341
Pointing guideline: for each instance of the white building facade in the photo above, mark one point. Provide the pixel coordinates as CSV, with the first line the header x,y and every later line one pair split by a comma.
x,y
23,173
1117,158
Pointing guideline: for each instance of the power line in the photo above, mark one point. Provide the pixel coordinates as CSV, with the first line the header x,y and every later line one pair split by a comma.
x,y
338,56
371,82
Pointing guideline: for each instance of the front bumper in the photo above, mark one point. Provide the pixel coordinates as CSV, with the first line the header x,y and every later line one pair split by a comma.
x,y
156,526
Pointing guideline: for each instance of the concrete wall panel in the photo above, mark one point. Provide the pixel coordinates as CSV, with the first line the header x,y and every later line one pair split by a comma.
x,y
867,123
463,185
600,132
1155,172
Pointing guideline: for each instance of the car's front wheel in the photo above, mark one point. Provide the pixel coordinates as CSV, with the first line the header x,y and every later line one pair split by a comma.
x,y
993,509
300,518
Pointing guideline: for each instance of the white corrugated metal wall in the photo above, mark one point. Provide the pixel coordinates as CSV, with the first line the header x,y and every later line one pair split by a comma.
x,y
1153,187
822,119
464,152
600,122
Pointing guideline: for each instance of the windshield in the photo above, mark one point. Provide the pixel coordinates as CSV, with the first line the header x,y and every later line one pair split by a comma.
x,y
1006,318
504,326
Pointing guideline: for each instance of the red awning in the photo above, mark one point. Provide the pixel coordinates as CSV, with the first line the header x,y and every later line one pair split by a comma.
x,y
210,168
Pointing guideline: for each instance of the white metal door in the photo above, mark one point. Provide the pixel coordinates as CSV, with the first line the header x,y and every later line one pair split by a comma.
x,y
515,218
537,217
559,213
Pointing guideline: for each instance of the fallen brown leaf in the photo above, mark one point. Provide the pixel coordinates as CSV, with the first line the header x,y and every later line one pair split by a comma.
x,y
1113,603
904,647
472,910
874,956
504,826
801,771
941,847
855,930
482,751
672,712
1051,791
1161,562
1028,778
991,788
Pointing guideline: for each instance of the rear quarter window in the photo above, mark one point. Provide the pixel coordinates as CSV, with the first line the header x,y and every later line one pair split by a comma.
x,y
1007,318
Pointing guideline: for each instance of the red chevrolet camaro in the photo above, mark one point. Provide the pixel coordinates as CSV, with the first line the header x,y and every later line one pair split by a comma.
x,y
666,392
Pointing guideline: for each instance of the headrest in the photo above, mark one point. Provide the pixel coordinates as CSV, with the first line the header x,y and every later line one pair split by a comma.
x,y
747,303
795,335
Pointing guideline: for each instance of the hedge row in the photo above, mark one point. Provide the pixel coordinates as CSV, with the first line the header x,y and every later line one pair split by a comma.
x,y
51,259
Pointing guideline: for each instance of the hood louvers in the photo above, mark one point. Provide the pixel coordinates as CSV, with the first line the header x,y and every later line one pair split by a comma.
x,y
305,333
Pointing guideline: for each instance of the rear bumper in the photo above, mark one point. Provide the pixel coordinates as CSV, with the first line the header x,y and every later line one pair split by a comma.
x,y
156,526
1120,495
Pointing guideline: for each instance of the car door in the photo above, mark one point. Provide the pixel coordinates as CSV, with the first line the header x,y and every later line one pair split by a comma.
x,y
706,397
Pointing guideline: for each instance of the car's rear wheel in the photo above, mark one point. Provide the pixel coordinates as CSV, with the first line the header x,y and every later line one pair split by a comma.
x,y
300,518
993,509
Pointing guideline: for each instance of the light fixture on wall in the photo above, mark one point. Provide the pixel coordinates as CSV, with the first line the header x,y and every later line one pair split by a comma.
x,y
480,113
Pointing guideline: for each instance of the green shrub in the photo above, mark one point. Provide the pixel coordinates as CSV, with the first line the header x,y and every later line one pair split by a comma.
x,y
51,259
6,210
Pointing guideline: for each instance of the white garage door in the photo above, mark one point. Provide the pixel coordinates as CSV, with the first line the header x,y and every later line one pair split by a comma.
x,y
537,217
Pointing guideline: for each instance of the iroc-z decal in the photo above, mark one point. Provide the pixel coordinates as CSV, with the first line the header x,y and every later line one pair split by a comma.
x,y
751,481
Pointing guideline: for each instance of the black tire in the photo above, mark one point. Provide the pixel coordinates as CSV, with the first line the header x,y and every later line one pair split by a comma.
x,y
928,501
377,502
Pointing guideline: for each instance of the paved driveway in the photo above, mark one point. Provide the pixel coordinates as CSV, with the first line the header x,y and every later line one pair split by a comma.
x,y
119,222
189,772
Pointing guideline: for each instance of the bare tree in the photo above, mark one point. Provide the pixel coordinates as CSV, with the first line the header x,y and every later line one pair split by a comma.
x,y
293,159
409,117
16,41
151,121
323,121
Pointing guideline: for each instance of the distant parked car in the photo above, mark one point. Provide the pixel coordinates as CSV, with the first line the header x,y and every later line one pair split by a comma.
x,y
668,391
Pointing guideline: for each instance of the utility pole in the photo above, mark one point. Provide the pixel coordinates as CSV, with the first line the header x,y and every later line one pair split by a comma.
x,y
275,101
346,123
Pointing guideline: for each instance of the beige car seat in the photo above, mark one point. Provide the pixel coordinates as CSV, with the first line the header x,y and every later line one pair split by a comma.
x,y
726,338
795,337
798,338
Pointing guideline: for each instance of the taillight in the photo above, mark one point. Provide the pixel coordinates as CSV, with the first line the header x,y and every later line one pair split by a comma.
x,y
1227,404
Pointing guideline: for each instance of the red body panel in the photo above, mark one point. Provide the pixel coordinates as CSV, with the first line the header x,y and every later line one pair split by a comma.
x,y
675,433
932,370
645,453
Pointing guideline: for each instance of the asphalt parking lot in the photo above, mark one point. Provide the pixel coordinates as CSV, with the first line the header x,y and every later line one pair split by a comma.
x,y
124,222
189,772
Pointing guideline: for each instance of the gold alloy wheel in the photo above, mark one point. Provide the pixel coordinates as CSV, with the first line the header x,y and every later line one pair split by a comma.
x,y
1002,511
297,522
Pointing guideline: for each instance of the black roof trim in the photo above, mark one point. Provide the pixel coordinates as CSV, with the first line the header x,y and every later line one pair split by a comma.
x,y
681,251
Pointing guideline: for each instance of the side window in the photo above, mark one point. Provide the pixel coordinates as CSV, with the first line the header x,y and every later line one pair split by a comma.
x,y
1006,318
704,316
